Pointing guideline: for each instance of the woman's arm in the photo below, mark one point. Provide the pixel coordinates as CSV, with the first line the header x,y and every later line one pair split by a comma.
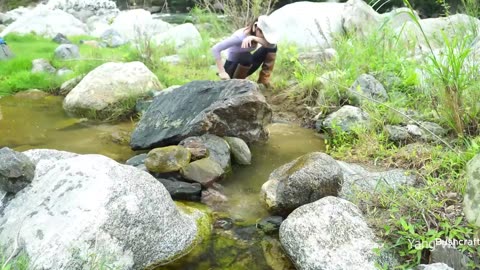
x,y
247,42
218,48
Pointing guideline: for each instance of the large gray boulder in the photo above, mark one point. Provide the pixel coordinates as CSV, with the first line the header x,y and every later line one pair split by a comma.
x,y
471,200
46,22
138,25
36,155
304,180
317,25
110,88
328,234
90,204
451,26
224,108
360,18
180,36
16,170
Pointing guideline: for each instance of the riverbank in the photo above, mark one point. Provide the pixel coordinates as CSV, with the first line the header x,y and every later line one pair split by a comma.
x,y
376,99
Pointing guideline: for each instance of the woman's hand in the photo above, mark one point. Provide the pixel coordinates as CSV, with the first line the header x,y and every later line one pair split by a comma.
x,y
224,75
247,42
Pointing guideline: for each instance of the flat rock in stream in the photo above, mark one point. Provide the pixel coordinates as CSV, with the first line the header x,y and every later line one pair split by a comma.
x,y
224,108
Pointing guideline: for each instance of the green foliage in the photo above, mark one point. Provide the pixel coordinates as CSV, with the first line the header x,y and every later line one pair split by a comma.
x,y
454,74
20,262
15,74
240,13
215,25
12,4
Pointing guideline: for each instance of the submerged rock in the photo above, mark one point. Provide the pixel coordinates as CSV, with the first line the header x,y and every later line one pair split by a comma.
x,y
167,159
240,151
304,180
214,198
182,191
204,171
196,146
224,108
136,160
270,224
16,170
218,150
90,204
274,254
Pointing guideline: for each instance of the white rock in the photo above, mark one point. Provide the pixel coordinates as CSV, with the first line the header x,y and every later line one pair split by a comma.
x,y
181,35
138,24
297,23
90,204
36,155
328,234
109,84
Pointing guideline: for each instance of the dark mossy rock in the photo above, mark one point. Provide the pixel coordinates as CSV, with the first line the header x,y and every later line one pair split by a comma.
x,y
224,108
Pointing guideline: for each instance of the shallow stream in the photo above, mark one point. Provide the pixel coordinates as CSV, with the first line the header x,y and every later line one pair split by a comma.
x,y
31,122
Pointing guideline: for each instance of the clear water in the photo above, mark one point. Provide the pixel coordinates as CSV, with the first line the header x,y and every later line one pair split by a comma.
x,y
40,122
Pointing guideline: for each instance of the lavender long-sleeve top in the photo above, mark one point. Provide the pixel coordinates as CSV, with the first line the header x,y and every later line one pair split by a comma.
x,y
233,45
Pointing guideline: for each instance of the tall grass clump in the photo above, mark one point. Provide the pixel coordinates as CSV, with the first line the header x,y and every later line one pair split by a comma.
x,y
455,76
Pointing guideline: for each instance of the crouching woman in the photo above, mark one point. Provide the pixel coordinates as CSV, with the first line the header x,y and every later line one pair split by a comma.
x,y
243,57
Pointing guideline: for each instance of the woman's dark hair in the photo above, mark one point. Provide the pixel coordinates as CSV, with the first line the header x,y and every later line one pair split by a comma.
x,y
250,26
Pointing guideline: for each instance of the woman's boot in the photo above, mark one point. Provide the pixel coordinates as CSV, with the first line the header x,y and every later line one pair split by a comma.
x,y
267,68
241,72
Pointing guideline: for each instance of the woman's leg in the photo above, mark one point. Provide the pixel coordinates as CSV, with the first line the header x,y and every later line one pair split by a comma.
x,y
230,67
240,68
266,58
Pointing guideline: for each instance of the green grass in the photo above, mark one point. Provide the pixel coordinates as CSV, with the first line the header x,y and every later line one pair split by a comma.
x,y
20,262
15,74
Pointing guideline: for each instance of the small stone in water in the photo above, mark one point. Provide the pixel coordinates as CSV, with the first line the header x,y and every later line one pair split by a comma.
x,y
223,223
